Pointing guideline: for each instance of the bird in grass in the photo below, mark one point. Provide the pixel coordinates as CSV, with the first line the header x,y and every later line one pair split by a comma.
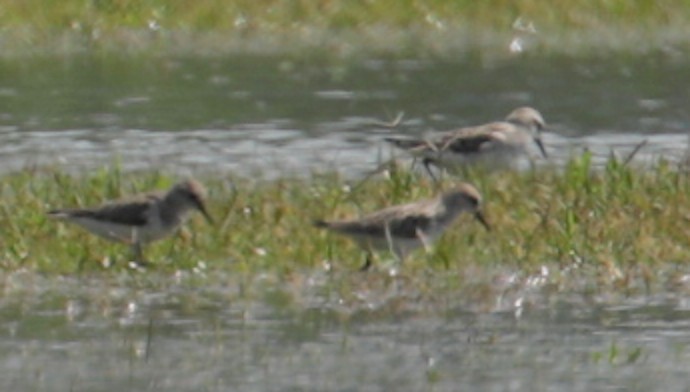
x,y
142,218
406,227
496,145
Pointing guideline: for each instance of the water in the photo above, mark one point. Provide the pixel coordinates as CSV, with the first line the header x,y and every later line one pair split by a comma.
x,y
278,115
175,334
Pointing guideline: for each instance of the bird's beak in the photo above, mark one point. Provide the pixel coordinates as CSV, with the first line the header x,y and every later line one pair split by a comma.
x,y
540,144
202,208
480,217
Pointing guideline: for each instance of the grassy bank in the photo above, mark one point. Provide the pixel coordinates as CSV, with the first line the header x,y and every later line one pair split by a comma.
x,y
278,15
385,24
622,223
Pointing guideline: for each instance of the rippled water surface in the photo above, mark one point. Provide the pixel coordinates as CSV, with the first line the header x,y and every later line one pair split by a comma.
x,y
87,334
278,115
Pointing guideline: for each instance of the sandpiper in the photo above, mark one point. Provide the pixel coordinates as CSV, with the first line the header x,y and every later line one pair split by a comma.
x,y
502,144
142,218
403,228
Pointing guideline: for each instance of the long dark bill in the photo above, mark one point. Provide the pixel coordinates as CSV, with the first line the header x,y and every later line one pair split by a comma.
x,y
540,144
201,207
480,217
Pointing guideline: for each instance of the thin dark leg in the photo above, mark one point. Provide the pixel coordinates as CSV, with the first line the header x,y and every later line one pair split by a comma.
x,y
136,252
428,162
138,255
367,263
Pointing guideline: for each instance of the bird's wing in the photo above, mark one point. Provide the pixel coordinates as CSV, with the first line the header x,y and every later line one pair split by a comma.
x,y
410,226
464,140
473,140
400,225
133,213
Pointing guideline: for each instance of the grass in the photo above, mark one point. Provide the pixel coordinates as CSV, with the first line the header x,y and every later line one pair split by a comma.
x,y
625,227
278,15
119,24
617,225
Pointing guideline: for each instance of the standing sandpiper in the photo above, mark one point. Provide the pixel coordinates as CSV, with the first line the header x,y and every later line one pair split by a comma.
x,y
502,144
141,219
405,227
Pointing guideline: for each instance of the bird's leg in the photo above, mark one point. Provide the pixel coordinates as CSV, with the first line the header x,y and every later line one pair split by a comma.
x,y
397,249
367,263
414,163
389,239
424,240
427,165
138,260
137,254
136,251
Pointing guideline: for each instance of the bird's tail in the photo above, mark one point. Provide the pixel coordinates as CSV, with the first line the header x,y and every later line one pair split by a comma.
x,y
61,214
322,224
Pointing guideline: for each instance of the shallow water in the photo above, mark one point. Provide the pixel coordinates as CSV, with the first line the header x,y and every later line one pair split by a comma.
x,y
176,335
278,115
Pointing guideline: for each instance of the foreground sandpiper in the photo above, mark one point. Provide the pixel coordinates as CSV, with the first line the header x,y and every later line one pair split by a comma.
x,y
403,228
142,218
502,144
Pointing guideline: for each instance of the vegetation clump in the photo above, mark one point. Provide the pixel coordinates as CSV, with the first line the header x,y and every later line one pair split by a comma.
x,y
620,221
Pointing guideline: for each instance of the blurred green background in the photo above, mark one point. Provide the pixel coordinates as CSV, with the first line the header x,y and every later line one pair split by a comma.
x,y
47,23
